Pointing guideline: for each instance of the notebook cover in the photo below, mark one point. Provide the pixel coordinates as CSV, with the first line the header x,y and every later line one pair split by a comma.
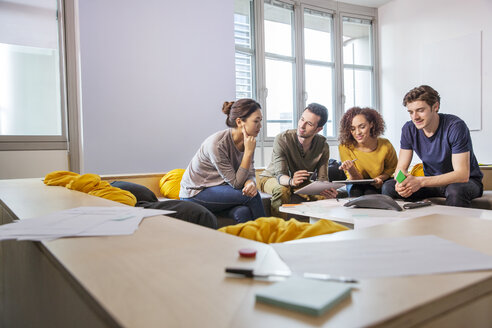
x,y
309,296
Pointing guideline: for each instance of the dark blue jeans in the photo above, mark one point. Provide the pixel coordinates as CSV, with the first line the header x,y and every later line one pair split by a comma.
x,y
225,198
457,194
356,190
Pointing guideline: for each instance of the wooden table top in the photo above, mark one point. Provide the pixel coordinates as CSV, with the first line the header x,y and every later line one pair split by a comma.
x,y
334,210
171,273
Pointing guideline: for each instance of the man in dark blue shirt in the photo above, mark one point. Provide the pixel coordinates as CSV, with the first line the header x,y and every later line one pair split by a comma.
x,y
443,143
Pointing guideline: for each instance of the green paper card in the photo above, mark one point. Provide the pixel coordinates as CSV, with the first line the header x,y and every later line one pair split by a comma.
x,y
309,296
400,177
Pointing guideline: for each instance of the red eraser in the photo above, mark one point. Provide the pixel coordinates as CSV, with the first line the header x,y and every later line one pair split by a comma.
x,y
247,252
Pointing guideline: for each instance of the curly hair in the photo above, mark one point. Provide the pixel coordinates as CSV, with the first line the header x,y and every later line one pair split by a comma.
x,y
371,115
423,93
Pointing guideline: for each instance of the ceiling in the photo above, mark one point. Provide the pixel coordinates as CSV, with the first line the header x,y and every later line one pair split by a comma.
x,y
367,3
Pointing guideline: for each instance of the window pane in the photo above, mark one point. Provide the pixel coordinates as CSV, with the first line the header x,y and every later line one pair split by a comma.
x,y
279,29
244,75
280,99
318,36
319,88
243,34
358,88
242,23
29,73
357,41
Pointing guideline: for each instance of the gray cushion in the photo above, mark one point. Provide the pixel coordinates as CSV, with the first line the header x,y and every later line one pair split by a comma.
x,y
140,192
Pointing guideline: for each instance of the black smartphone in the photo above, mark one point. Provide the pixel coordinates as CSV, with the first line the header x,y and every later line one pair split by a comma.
x,y
422,203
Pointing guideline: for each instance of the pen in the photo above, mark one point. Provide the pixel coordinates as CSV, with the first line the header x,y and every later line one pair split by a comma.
x,y
250,273
354,160
323,276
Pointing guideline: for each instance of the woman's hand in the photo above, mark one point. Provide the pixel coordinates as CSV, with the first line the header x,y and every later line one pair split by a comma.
x,y
249,142
347,166
249,188
378,182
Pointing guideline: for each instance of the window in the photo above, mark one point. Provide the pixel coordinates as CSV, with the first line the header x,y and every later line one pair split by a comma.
x,y
29,91
32,109
357,62
305,53
245,54
279,67
319,67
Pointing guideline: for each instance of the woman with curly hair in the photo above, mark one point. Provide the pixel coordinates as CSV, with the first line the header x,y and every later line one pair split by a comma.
x,y
363,153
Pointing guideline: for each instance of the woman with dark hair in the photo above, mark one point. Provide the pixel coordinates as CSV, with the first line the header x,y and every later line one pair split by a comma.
x,y
363,153
221,175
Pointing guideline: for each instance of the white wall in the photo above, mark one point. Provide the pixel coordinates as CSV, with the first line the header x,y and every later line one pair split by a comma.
x,y
154,77
31,164
405,27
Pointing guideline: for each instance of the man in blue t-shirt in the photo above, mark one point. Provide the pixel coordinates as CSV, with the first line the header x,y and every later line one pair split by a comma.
x,y
443,143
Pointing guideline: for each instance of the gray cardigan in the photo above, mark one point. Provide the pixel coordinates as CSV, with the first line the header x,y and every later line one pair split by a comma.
x,y
216,162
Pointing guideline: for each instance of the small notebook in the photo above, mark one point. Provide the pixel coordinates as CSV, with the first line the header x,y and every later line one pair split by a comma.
x,y
309,296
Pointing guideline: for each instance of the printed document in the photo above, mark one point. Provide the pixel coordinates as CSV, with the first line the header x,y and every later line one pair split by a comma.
x,y
382,257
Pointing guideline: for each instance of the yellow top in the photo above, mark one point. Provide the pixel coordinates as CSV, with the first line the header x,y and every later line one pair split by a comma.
x,y
372,164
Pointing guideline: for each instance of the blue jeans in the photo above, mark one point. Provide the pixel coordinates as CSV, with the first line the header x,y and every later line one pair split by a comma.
x,y
357,190
225,198
457,194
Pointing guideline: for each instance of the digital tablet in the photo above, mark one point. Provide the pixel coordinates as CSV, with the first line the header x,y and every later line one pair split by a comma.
x,y
316,187
361,181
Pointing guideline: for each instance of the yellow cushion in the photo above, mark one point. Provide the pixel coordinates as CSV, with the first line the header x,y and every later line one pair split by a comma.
x,y
59,178
90,184
417,170
105,190
276,230
170,183
85,183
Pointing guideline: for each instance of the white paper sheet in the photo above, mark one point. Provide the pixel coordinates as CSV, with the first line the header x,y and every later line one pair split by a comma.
x,y
382,257
80,221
